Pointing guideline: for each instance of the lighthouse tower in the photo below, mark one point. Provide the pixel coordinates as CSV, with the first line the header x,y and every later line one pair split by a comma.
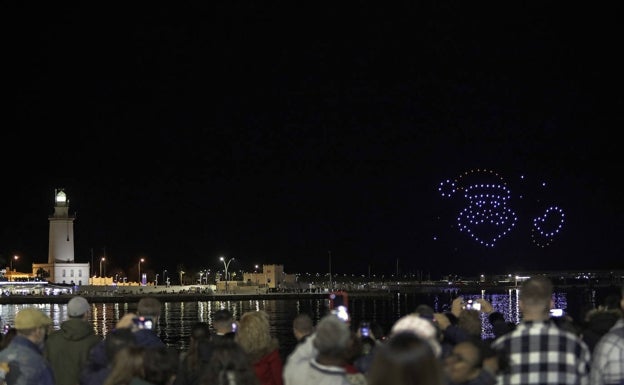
x,y
61,267
61,243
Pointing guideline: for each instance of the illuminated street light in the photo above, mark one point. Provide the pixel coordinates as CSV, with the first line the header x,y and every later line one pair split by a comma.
x,y
140,261
15,257
101,260
226,264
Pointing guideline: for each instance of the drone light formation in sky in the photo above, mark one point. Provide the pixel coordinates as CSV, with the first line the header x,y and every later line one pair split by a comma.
x,y
488,216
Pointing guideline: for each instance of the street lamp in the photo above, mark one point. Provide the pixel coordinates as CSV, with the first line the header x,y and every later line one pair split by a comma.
x,y
101,260
226,264
15,257
140,260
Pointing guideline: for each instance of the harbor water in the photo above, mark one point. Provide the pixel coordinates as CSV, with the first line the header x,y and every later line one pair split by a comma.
x,y
178,316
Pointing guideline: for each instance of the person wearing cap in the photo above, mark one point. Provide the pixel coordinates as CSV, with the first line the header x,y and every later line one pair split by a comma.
x,y
24,355
67,348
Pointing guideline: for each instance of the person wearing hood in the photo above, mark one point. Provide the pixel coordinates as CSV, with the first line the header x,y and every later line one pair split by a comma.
x,y
67,349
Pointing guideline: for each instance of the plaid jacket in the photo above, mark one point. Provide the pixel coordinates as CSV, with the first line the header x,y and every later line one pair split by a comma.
x,y
542,353
608,357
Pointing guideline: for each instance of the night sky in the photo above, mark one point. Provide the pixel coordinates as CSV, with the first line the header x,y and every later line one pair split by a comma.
x,y
277,133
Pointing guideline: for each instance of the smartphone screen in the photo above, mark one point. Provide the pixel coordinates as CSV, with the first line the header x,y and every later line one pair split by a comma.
x,y
143,323
556,312
365,329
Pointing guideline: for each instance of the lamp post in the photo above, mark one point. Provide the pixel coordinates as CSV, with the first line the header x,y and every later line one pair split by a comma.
x,y
101,260
226,265
330,274
15,257
140,261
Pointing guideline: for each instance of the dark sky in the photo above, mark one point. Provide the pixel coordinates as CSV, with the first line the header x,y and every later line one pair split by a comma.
x,y
274,134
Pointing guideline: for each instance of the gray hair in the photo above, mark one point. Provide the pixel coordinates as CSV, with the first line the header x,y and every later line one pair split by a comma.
x,y
332,336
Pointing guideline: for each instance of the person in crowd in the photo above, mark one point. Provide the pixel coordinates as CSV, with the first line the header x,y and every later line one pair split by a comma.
x,y
8,337
500,326
222,322
23,358
368,345
321,358
188,373
405,358
128,365
160,366
254,336
420,326
599,321
540,352
67,349
229,364
464,366
115,341
303,326
355,351
149,308
566,322
462,323
607,367
494,361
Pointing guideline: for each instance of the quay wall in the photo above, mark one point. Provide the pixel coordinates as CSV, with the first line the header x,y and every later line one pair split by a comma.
x,y
108,294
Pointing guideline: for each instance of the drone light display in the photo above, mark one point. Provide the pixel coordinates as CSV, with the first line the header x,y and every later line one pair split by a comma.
x,y
547,226
487,216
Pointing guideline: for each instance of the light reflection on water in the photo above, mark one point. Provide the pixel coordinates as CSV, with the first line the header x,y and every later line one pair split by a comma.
x,y
178,317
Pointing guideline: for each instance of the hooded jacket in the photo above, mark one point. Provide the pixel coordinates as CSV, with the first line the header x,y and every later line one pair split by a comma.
x,y
67,349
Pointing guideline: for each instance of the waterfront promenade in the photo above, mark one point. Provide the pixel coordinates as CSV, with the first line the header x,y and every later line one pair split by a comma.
x,y
176,293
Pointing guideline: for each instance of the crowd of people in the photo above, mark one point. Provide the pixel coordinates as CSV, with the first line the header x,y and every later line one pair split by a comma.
x,y
421,348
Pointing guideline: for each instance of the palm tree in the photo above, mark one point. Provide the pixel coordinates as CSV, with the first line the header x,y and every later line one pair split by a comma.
x,y
42,273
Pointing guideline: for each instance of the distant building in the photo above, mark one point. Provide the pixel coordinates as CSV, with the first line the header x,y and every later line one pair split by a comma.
x,y
61,267
272,276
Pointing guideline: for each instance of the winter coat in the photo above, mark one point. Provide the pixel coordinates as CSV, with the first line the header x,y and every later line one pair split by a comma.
x,y
268,368
67,349
26,363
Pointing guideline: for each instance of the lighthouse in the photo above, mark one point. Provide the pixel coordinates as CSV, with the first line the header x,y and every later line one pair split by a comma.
x,y
61,241
61,267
